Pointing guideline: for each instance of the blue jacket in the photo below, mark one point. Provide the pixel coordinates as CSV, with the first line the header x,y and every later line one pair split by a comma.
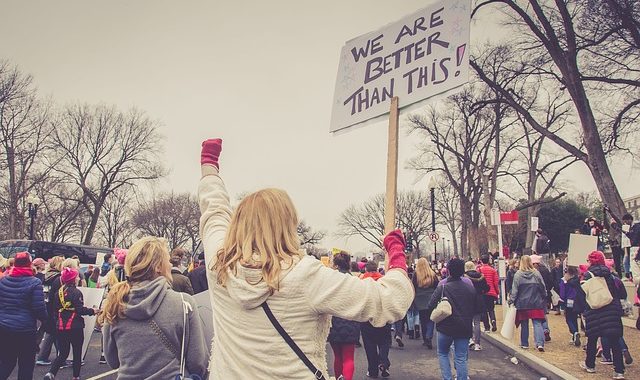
x,y
21,303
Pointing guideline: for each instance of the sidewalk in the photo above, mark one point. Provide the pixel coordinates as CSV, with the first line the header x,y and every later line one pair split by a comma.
x,y
559,353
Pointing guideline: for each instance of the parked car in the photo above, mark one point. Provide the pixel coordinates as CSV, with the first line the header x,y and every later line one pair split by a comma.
x,y
46,250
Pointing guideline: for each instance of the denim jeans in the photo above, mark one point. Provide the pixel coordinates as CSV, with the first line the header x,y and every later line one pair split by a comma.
x,y
572,320
538,333
412,319
426,325
46,344
545,323
476,328
627,261
460,352
398,326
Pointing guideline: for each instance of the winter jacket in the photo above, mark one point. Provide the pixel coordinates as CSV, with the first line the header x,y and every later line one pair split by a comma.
x,y
462,296
198,278
508,283
246,345
528,291
423,294
180,282
542,245
146,343
571,295
68,304
51,285
343,330
481,287
557,275
491,275
548,280
21,303
606,321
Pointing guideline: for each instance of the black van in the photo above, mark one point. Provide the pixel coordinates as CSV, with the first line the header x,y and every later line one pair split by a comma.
x,y
46,250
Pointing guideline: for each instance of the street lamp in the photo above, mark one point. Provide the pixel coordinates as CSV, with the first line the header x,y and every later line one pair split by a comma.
x,y
432,190
33,202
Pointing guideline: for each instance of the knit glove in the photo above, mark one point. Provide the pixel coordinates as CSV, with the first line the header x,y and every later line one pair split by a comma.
x,y
211,149
394,243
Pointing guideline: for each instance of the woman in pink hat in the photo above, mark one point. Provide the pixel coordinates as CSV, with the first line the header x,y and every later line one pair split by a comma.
x,y
69,305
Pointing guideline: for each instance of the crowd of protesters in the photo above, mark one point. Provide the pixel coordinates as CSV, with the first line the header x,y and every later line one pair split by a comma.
x,y
267,293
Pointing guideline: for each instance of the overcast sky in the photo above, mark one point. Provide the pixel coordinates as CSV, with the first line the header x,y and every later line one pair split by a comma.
x,y
259,74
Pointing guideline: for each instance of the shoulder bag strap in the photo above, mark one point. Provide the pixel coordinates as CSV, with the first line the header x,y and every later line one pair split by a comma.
x,y
186,308
316,372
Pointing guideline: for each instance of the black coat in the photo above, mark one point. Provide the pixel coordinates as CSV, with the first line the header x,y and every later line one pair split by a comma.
x,y
344,331
547,278
508,283
606,321
556,275
198,278
481,287
51,285
463,299
69,319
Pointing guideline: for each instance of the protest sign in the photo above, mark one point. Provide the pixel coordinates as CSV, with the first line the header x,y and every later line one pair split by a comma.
x,y
92,299
580,246
420,56
534,223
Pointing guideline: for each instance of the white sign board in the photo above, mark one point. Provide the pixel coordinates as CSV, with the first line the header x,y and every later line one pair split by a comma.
x,y
580,246
534,223
420,56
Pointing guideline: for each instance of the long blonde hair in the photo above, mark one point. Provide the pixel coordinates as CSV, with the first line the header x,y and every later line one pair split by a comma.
x,y
148,259
425,276
56,263
525,264
262,234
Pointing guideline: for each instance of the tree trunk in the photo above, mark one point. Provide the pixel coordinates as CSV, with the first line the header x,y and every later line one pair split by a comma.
x,y
492,231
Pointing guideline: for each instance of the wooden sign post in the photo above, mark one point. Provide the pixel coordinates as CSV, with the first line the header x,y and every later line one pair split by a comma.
x,y
392,169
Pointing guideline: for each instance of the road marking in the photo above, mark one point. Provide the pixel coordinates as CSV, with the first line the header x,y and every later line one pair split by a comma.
x,y
100,376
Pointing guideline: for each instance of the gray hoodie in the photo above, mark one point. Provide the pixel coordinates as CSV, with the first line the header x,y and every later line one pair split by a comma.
x,y
528,291
139,345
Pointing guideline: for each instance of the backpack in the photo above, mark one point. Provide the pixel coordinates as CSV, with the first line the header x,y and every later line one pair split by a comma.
x,y
597,292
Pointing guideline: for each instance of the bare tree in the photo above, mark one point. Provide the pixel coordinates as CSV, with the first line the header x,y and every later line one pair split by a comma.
x,y
102,150
24,131
447,202
367,219
172,216
115,227
309,237
59,212
560,48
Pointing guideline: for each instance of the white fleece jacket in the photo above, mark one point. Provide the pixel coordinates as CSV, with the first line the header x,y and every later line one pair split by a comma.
x,y
246,345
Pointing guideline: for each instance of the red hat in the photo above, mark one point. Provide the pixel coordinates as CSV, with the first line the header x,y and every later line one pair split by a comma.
x,y
22,260
596,258
69,275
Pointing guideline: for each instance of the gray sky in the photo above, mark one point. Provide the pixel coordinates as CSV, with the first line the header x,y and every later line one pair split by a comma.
x,y
259,74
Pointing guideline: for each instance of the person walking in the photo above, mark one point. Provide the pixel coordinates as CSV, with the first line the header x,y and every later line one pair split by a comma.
x,y
557,273
344,334
490,298
21,305
574,302
69,306
51,285
528,294
536,260
262,285
148,328
456,329
604,322
513,268
481,287
198,276
179,282
425,281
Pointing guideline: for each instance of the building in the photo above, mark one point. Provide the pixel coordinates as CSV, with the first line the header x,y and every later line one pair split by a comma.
x,y
633,206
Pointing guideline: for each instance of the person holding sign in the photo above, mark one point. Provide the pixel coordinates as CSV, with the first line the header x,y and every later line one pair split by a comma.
x,y
268,296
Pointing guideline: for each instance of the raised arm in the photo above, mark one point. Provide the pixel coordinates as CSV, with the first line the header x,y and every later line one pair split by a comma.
x,y
215,206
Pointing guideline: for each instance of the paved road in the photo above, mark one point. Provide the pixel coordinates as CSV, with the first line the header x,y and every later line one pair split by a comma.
x,y
413,362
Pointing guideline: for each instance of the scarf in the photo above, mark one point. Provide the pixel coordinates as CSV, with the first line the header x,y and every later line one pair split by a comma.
x,y
21,272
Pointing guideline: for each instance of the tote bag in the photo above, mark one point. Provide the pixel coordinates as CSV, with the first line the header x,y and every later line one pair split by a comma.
x,y
509,324
443,310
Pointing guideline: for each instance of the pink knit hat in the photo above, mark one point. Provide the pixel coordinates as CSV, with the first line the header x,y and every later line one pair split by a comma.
x,y
121,255
69,275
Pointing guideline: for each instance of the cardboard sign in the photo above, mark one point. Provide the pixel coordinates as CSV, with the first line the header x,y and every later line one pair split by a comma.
x,y
92,299
580,246
420,56
326,261
534,223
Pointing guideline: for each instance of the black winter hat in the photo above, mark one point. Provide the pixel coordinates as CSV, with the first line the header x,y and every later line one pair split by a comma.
x,y
455,267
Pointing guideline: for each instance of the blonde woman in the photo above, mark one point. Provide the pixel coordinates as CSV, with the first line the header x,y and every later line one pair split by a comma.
x,y
255,267
143,319
425,281
529,296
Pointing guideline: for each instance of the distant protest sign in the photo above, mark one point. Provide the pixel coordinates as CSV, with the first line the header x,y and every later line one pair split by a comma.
x,y
418,57
580,246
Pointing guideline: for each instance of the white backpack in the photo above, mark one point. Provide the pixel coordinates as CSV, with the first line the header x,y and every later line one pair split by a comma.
x,y
597,292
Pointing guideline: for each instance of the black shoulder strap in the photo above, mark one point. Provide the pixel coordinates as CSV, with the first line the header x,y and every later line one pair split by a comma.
x,y
316,372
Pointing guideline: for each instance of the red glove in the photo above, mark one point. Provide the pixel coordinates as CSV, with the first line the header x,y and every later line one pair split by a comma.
x,y
394,243
211,152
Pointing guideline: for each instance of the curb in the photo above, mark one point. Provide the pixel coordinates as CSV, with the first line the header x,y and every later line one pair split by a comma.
x,y
535,363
